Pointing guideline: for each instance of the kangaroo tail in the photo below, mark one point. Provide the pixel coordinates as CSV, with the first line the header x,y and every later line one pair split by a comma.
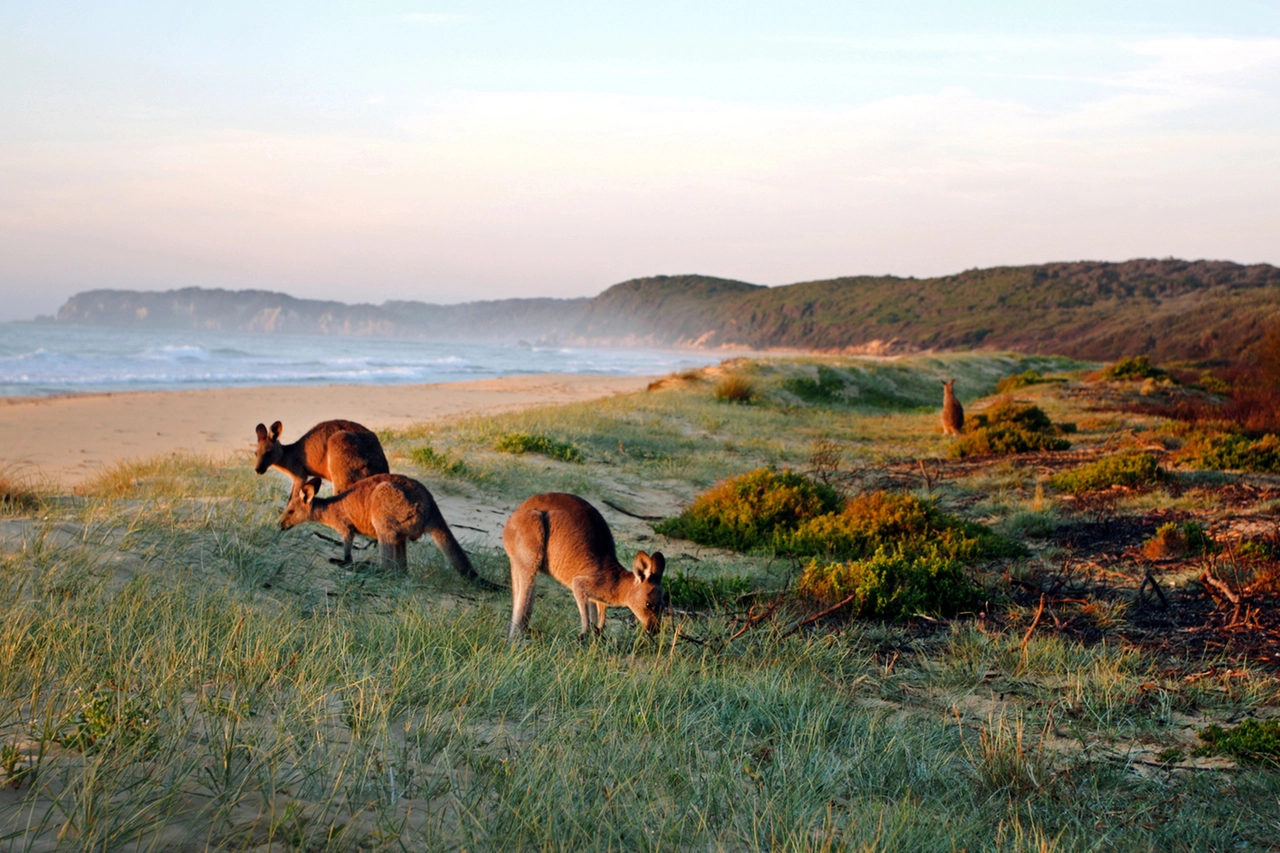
x,y
453,552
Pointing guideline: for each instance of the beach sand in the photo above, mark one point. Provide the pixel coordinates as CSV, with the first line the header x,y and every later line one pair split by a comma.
x,y
65,440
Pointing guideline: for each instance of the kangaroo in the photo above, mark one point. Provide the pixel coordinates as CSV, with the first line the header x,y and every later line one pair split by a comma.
x,y
567,538
952,411
389,507
339,451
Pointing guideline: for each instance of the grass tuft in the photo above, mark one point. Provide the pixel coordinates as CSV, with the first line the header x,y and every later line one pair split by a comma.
x,y
734,388
430,458
539,443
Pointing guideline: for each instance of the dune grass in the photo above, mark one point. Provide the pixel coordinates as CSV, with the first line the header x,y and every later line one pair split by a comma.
x,y
181,674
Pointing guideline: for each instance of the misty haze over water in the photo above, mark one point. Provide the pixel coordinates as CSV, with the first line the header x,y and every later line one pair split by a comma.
x,y
40,359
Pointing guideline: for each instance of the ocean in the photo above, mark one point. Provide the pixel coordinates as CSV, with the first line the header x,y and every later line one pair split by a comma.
x,y
42,359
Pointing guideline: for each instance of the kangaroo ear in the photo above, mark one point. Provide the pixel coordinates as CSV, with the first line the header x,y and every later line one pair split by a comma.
x,y
275,430
658,563
261,430
308,490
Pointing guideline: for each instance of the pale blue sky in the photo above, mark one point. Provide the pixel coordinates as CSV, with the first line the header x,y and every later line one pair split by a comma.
x,y
457,151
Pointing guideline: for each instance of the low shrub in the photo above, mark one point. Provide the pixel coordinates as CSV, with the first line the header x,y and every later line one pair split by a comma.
x,y
827,388
1235,452
1019,380
1007,428
784,512
543,445
1133,368
891,584
872,520
734,388
745,513
1188,539
1123,469
1253,741
690,592
432,459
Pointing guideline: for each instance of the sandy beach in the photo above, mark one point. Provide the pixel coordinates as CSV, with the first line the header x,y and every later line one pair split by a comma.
x,y
65,440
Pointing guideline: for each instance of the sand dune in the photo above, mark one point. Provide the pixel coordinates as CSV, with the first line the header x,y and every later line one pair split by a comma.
x,y
68,439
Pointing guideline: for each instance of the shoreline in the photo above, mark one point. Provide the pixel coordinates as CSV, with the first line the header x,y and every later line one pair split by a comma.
x,y
66,439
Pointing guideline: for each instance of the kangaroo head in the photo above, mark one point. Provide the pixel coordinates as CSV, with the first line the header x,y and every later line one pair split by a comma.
x,y
269,449
646,598
299,508
948,384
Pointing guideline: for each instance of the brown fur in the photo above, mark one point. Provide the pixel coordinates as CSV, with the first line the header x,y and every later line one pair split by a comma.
x,y
388,507
952,411
341,452
567,538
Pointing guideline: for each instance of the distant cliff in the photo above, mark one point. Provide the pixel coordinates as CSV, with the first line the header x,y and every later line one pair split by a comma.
x,y
1169,309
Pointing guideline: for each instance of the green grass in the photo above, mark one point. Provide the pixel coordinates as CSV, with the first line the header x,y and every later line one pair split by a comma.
x,y
179,673
543,445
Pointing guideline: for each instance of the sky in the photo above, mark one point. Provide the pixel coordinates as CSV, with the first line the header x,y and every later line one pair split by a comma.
x,y
453,151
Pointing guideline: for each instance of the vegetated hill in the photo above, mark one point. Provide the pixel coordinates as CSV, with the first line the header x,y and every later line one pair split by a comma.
x,y
1169,309
268,311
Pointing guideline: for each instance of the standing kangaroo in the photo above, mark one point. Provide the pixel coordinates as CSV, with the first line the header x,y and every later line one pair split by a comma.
x,y
567,538
952,411
341,452
389,507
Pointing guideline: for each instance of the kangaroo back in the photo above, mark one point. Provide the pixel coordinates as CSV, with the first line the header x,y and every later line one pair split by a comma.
x,y
952,411
340,451
391,508
566,537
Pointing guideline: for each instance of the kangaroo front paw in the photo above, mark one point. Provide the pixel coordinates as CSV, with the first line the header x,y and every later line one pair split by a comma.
x,y
338,561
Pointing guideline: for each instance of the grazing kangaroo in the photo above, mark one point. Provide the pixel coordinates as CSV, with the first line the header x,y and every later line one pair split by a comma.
x,y
389,507
341,452
567,538
952,411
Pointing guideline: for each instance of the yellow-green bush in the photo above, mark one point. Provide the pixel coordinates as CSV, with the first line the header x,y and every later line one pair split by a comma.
x,y
746,512
1123,469
787,513
1008,427
891,584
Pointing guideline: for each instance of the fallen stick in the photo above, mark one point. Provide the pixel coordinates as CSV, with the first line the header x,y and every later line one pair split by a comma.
x,y
815,617
614,506
1150,579
752,621
1026,638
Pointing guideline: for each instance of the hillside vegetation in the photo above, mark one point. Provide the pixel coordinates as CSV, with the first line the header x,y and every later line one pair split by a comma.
x,y
1169,310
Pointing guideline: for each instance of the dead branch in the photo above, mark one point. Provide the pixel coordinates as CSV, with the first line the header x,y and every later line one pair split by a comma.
x,y
614,506
815,617
1026,638
1150,580
752,621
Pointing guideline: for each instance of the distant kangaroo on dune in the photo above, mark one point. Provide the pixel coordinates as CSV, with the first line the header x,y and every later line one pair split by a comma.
x,y
388,507
341,452
567,538
952,411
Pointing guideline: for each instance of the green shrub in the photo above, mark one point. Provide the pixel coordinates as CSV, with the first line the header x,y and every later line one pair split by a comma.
x,y
1019,380
1235,452
1123,469
1188,539
891,584
107,718
734,388
744,513
1137,367
543,445
827,388
430,458
870,521
690,592
787,513
1253,741
1009,428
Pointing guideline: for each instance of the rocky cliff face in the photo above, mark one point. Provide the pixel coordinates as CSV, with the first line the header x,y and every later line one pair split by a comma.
x,y
1168,309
